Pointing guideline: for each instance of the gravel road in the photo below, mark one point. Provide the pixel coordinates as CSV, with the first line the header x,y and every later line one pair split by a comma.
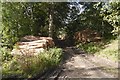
x,y
78,64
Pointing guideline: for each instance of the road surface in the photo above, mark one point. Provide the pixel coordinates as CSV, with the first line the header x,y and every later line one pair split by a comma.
x,y
78,64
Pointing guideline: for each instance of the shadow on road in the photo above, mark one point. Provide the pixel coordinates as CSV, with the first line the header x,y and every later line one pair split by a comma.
x,y
77,63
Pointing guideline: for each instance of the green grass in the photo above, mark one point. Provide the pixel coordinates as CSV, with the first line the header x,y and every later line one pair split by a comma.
x,y
111,51
29,66
90,47
107,48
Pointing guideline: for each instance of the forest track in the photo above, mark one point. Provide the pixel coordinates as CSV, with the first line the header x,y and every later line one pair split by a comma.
x,y
77,64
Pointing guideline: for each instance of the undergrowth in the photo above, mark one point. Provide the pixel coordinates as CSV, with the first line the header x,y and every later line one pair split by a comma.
x,y
27,66
106,48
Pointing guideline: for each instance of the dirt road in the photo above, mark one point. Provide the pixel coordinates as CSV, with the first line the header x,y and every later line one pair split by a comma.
x,y
77,64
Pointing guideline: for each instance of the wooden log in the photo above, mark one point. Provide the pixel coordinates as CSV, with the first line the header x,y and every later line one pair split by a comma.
x,y
27,51
23,46
40,41
33,47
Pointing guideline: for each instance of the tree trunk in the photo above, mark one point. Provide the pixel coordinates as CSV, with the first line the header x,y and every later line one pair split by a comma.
x,y
50,26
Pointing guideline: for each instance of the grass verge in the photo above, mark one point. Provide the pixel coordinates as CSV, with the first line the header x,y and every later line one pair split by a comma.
x,y
107,48
29,66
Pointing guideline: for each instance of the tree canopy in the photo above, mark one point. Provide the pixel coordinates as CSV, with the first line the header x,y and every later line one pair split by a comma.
x,y
46,19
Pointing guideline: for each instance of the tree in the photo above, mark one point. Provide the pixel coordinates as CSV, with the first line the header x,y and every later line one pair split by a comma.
x,y
93,17
112,15
20,19
56,15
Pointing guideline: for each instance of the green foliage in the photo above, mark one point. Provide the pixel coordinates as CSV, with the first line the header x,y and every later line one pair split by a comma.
x,y
20,19
90,47
112,15
11,22
103,17
99,16
9,64
110,51
6,56
108,48
92,18
11,69
55,55
29,66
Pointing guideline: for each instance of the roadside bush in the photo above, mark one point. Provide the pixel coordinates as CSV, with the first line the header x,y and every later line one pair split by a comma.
x,y
94,47
28,66
90,47
5,53
107,48
11,69
111,51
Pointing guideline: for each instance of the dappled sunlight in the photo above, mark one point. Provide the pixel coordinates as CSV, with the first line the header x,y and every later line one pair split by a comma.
x,y
89,66
42,40
110,51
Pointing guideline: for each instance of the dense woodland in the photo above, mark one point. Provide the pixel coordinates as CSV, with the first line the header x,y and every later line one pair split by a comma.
x,y
70,22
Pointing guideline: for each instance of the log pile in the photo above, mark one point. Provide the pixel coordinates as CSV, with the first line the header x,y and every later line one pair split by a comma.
x,y
87,35
31,45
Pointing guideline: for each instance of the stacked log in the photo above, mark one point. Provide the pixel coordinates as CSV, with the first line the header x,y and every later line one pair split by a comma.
x,y
33,45
87,35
